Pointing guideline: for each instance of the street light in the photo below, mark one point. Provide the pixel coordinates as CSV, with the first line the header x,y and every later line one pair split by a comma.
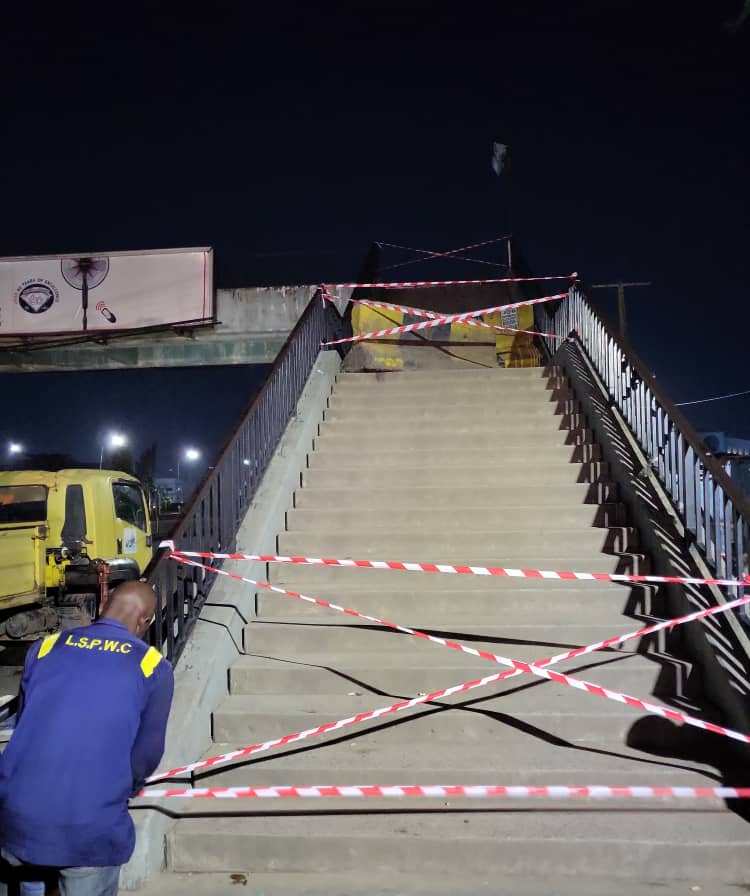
x,y
15,448
113,440
190,455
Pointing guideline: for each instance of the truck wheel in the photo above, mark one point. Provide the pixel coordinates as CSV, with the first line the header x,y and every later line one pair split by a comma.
x,y
78,613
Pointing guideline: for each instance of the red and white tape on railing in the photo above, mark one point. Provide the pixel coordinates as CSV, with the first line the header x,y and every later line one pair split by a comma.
x,y
463,317
418,284
517,667
463,569
433,315
448,791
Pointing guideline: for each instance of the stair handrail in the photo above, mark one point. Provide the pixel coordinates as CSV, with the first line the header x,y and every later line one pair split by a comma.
x,y
212,517
712,508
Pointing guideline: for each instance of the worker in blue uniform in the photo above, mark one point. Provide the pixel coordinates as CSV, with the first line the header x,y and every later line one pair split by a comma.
x,y
94,703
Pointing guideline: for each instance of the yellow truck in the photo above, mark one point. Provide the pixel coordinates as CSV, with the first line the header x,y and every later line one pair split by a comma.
x,y
55,531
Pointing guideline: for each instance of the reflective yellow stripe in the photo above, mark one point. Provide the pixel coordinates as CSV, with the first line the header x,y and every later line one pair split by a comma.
x,y
47,644
150,661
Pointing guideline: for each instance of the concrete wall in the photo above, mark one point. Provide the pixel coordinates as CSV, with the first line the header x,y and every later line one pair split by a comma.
x,y
201,674
252,326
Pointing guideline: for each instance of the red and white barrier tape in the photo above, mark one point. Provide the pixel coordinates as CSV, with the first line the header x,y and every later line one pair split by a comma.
x,y
579,684
415,284
516,668
433,315
456,569
463,317
328,727
447,791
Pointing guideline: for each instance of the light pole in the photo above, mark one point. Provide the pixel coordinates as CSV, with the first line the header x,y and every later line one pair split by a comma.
x,y
190,456
620,287
113,440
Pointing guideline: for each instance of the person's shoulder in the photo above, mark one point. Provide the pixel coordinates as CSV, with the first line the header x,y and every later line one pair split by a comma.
x,y
155,665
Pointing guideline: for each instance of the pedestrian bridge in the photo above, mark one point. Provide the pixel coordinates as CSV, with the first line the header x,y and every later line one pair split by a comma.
x,y
399,742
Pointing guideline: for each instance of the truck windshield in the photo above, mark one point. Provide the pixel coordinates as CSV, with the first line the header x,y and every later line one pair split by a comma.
x,y
23,503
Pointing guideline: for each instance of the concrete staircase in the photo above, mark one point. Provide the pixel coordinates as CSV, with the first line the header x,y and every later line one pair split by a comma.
x,y
485,466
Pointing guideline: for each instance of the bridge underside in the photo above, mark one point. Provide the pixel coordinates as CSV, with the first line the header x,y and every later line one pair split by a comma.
x,y
251,327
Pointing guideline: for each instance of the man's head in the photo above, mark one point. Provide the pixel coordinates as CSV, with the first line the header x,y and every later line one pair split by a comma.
x,y
133,604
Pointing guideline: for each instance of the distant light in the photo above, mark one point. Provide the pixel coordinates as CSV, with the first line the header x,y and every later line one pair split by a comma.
x,y
117,440
246,462
15,448
192,454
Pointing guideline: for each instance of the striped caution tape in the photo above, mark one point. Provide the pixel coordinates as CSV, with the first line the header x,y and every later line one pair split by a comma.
x,y
448,791
464,569
433,315
463,317
419,284
464,648
517,667
329,727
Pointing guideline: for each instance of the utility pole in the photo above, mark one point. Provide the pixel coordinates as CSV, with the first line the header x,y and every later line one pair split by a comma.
x,y
620,287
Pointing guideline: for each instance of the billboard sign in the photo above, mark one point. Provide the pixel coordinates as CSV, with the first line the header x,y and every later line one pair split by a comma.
x,y
64,294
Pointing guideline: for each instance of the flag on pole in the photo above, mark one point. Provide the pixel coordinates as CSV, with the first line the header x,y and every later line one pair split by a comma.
x,y
499,157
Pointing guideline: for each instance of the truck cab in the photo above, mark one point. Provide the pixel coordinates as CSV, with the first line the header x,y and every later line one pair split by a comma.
x,y
58,531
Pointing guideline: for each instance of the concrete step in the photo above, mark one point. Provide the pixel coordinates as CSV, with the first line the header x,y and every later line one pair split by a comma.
x,y
447,547
377,883
405,673
355,413
421,517
379,493
451,394
295,636
532,428
452,385
555,460
348,440
527,761
516,485
706,846
447,601
546,559
518,398
385,776
512,375
477,379
560,712
483,458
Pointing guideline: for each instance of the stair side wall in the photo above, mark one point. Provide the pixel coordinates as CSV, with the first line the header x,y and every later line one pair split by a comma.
x,y
201,675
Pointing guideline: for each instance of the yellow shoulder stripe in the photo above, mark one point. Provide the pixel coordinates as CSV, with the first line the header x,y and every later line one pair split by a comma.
x,y
47,644
150,661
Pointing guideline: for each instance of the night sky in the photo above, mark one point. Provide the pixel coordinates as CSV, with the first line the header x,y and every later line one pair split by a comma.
x,y
291,136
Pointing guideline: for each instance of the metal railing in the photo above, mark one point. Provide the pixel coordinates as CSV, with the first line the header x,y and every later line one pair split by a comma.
x,y
711,507
213,516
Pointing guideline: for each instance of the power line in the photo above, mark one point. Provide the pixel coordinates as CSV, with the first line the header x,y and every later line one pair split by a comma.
x,y
682,404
